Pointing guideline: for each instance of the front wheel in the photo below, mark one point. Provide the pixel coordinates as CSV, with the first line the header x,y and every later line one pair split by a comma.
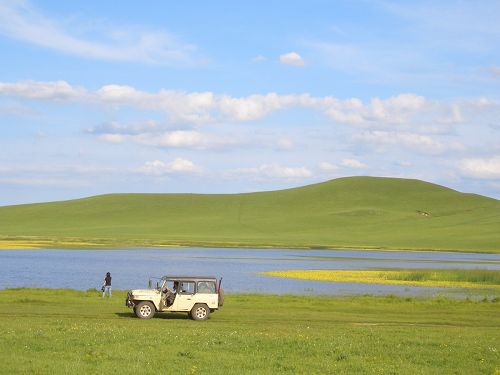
x,y
200,312
145,310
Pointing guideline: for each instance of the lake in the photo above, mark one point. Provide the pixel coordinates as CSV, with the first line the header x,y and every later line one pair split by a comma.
x,y
84,269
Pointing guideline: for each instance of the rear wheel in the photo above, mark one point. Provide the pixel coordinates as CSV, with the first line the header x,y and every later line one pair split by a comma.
x,y
145,310
200,312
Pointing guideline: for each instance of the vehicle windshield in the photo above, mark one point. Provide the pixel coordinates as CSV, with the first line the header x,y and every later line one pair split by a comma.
x,y
156,283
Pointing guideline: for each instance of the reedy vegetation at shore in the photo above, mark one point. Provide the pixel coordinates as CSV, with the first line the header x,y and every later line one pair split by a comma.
x,y
447,278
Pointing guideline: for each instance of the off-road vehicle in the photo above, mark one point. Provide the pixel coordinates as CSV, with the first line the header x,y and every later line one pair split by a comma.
x,y
197,295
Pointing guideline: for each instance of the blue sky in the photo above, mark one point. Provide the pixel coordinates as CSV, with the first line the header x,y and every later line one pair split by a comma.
x,y
223,97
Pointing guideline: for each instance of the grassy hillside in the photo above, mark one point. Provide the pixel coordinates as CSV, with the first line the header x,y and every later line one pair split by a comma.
x,y
359,212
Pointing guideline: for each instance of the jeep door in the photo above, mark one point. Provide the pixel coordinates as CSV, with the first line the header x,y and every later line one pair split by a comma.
x,y
184,299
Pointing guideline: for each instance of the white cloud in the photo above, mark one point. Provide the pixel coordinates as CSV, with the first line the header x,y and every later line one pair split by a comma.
x,y
55,90
353,163
194,107
113,138
394,110
276,171
326,166
190,139
254,106
418,142
481,168
292,58
404,111
114,127
177,138
178,165
22,21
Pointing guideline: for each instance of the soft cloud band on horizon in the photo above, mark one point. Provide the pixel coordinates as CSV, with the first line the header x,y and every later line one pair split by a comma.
x,y
402,111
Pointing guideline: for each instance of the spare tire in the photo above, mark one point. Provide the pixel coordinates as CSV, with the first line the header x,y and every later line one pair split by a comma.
x,y
221,297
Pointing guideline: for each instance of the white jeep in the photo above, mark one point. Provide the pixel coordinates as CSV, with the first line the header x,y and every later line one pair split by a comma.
x,y
197,295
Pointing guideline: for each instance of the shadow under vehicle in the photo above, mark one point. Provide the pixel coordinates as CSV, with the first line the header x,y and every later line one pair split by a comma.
x,y
197,295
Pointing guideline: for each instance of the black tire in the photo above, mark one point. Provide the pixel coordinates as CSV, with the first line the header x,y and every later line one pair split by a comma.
x,y
221,297
200,311
145,310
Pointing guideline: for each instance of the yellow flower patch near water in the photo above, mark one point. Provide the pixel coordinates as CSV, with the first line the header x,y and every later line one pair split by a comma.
x,y
22,244
32,244
432,278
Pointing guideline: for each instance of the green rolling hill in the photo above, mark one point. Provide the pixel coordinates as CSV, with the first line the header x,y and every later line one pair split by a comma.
x,y
354,212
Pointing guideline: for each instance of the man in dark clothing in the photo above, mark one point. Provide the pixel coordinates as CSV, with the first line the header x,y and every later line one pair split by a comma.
x,y
107,286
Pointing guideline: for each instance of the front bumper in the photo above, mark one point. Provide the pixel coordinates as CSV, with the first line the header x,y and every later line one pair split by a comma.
x,y
129,302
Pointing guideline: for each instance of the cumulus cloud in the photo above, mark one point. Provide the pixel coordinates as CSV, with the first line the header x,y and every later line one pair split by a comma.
x,y
22,21
394,110
192,107
178,165
292,58
353,163
402,111
254,106
488,168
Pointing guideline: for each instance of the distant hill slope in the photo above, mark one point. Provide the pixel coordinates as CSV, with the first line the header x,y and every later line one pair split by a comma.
x,y
358,212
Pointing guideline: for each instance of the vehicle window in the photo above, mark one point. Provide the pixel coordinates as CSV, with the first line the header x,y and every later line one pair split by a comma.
x,y
187,287
206,287
168,285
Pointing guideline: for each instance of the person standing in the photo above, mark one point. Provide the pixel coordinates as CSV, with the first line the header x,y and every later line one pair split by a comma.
x,y
107,286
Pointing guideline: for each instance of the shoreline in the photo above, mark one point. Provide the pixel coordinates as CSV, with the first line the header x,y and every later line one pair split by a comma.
x,y
46,243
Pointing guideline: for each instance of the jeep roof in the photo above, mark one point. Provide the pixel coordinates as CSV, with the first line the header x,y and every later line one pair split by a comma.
x,y
189,278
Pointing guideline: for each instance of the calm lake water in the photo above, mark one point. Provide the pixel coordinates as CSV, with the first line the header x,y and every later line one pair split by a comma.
x,y
84,269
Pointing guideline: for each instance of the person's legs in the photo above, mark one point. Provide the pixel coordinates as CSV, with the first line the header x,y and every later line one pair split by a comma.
x,y
109,291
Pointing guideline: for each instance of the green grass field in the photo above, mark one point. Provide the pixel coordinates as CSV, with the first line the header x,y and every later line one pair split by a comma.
x,y
356,212
70,332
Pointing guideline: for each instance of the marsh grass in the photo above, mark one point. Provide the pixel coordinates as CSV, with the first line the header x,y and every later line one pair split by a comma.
x,y
70,332
451,278
476,276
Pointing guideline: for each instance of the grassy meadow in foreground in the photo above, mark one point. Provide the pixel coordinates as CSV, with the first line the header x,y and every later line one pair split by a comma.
x,y
356,212
452,278
71,332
